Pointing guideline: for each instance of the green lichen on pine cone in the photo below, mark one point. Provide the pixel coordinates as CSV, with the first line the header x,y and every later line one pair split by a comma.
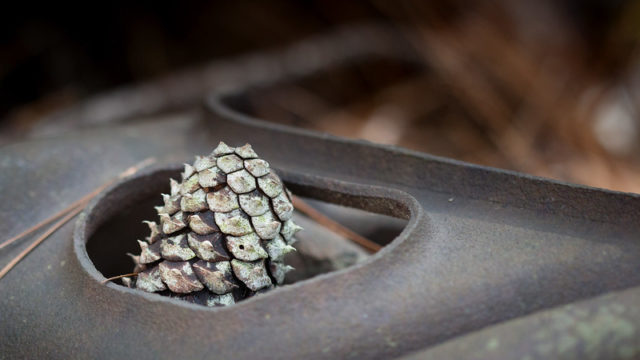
x,y
222,232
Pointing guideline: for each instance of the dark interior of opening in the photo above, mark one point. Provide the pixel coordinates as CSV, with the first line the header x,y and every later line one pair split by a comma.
x,y
319,250
321,98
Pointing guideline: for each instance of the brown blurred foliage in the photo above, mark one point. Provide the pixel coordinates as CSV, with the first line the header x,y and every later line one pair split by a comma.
x,y
546,87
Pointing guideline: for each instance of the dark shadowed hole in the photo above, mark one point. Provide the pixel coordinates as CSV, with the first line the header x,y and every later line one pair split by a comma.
x,y
313,101
318,249
110,243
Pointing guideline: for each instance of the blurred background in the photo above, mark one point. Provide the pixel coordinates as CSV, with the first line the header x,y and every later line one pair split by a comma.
x,y
546,87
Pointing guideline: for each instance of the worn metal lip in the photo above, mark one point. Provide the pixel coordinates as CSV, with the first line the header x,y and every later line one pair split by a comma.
x,y
476,341
89,220
215,102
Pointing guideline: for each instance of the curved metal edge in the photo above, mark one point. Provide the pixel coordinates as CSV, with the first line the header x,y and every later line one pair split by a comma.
x,y
215,103
601,327
528,192
102,207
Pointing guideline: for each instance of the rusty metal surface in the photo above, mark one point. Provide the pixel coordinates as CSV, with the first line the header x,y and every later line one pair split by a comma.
x,y
605,327
482,246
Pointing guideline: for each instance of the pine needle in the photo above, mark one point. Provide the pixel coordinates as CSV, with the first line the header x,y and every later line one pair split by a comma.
x,y
334,226
40,239
119,277
84,199
70,211
57,215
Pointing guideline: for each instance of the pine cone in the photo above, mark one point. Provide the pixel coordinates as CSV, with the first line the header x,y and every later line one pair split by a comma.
x,y
223,231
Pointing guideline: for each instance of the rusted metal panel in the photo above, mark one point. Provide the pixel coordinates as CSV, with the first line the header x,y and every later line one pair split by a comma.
x,y
481,246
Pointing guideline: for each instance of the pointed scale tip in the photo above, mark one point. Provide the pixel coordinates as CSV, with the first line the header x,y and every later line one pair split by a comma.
x,y
222,149
188,171
175,187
